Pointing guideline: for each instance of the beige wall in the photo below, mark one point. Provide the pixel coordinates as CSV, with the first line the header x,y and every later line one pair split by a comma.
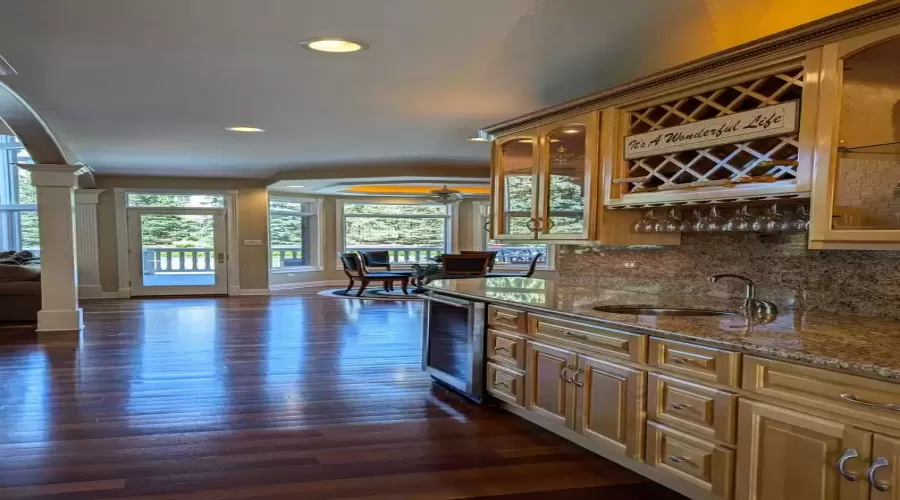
x,y
252,222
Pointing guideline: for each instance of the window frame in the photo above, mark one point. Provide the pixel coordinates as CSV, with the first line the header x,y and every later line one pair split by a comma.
x,y
315,233
451,228
10,225
481,216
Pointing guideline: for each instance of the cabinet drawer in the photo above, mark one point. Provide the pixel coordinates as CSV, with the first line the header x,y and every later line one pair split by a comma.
x,y
701,410
850,395
615,343
707,364
505,383
504,318
506,349
696,461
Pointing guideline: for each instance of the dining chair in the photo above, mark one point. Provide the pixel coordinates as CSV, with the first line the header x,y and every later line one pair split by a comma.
x,y
355,270
456,266
373,259
491,261
527,274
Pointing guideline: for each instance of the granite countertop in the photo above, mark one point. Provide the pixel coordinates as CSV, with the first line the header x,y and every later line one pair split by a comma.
x,y
861,345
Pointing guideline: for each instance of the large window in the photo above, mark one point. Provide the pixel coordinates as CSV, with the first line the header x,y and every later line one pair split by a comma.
x,y
411,233
18,200
510,254
292,230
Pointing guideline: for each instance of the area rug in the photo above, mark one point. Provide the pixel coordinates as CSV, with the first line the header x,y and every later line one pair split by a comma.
x,y
372,294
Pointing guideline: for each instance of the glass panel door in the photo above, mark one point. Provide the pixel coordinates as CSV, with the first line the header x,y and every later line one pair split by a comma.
x,y
517,176
177,252
567,160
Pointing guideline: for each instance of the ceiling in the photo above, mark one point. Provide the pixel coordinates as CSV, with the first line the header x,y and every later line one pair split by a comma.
x,y
147,87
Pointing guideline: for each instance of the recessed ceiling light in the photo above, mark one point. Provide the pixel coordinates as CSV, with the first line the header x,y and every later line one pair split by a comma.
x,y
571,131
527,141
246,129
333,45
477,139
296,186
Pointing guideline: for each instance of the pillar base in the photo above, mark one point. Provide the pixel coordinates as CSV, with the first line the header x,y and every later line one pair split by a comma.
x,y
55,321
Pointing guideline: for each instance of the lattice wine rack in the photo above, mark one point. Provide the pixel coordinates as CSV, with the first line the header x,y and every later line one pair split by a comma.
x,y
770,158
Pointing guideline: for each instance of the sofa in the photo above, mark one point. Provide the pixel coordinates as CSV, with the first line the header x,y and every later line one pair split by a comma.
x,y
20,292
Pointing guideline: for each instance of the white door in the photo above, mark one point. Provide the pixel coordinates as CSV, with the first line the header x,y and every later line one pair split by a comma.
x,y
177,251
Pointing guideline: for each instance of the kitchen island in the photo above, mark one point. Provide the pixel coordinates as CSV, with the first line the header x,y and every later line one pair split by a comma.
x,y
802,405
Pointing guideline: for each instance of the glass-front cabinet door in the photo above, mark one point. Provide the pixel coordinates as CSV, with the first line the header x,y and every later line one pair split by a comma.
x,y
856,203
568,159
515,187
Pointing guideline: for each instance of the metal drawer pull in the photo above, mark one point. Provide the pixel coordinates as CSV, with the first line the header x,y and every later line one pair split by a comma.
x,y
870,474
676,459
497,383
679,361
575,378
576,335
848,454
853,399
679,406
502,349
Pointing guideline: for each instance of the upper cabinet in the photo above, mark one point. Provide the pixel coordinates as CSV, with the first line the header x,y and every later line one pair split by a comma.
x,y
515,184
856,202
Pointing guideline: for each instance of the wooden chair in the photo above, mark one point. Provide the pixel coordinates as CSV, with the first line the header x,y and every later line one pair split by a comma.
x,y
355,270
531,267
456,266
491,261
373,259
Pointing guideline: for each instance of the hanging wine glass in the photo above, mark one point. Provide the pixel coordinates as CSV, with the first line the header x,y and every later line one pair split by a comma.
x,y
741,222
687,225
770,222
799,220
715,222
671,224
699,221
645,225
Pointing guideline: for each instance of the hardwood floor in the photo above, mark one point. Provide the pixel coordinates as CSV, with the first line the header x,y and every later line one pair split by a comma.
x,y
283,397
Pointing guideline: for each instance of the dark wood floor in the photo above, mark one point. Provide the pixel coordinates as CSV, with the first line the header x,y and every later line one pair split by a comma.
x,y
287,397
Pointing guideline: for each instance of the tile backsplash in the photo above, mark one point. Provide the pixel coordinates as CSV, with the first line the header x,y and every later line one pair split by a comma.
x,y
856,282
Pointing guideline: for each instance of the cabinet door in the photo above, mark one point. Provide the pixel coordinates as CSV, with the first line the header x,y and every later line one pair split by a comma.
x,y
568,159
788,455
610,402
548,393
856,199
884,471
515,187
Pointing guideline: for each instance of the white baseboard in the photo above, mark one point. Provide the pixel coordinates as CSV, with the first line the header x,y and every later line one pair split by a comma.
x,y
234,291
110,295
254,291
307,284
125,293
90,292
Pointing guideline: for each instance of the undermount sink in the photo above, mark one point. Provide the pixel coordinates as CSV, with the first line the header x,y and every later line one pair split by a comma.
x,y
661,311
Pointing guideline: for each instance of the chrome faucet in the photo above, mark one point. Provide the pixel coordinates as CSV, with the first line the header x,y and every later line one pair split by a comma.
x,y
752,306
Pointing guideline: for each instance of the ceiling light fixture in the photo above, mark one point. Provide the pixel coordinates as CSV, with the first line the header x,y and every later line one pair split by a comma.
x,y
477,139
246,129
444,196
333,45
296,186
571,131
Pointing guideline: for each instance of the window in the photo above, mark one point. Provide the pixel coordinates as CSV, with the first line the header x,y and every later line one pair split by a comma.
x,y
510,254
411,233
18,199
292,230
136,200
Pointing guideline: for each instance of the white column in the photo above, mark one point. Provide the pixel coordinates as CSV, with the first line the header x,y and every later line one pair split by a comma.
x,y
87,243
56,221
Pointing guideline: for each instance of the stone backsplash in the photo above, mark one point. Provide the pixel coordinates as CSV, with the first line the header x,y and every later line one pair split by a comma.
x,y
857,282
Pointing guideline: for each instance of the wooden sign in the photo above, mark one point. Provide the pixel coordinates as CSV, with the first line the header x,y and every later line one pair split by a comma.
x,y
779,119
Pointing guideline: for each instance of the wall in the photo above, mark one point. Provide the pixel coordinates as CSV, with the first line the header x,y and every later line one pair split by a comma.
x,y
863,282
252,222
871,187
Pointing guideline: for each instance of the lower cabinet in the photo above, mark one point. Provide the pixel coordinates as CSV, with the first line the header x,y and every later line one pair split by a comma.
x,y
549,393
884,472
702,463
788,455
610,404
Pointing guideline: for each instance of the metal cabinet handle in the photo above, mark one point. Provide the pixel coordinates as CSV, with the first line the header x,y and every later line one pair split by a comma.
x,y
870,474
575,335
679,406
679,361
676,459
842,462
502,349
562,374
550,224
855,400
487,226
497,383
575,378
535,224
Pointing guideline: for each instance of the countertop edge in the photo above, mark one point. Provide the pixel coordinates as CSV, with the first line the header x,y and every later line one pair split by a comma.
x,y
876,372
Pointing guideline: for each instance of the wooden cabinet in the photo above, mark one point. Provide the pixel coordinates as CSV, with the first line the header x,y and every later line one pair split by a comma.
x,y
610,402
700,410
701,463
788,455
548,392
883,473
702,363
856,185
505,384
544,181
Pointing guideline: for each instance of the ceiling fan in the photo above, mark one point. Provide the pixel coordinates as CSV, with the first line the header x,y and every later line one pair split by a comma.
x,y
444,196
